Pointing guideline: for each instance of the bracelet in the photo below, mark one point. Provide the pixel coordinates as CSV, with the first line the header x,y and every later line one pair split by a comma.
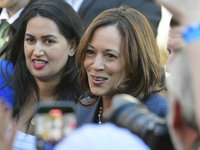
x,y
191,33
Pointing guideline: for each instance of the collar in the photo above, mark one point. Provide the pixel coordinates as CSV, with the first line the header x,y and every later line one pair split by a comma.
x,y
76,4
4,15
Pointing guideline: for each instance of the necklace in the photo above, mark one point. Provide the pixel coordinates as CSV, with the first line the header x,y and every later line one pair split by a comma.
x,y
33,121
100,113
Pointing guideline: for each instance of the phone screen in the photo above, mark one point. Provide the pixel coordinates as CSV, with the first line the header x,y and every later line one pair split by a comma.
x,y
52,125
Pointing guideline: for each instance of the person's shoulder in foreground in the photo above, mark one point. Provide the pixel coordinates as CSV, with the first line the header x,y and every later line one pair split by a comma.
x,y
157,104
6,70
101,137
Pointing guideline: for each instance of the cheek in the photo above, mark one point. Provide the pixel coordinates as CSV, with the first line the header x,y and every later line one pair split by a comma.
x,y
120,69
61,51
60,60
58,53
85,64
121,75
27,52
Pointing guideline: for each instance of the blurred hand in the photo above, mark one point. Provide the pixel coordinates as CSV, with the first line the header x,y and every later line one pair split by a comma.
x,y
185,11
175,37
5,116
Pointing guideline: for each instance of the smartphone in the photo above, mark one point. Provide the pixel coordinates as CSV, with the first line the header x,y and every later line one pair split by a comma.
x,y
54,121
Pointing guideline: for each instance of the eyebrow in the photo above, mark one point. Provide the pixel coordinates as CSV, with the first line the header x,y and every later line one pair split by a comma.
x,y
43,37
107,50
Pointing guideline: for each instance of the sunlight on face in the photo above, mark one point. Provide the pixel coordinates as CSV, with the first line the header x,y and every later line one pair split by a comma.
x,y
104,61
46,50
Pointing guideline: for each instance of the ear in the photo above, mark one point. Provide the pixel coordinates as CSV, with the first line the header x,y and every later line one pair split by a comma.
x,y
72,49
177,118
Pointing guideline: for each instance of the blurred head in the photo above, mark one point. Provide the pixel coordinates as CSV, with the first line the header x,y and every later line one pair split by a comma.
x,y
13,5
175,41
128,56
8,3
181,117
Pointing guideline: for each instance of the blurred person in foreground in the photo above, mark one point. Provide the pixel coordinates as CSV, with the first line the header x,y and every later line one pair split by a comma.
x,y
187,16
175,41
181,115
105,137
185,72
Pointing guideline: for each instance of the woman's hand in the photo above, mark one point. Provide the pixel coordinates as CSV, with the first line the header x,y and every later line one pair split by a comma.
x,y
185,11
5,118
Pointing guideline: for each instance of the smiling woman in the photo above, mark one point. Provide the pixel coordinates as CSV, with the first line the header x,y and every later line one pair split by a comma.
x,y
40,63
46,49
104,63
118,54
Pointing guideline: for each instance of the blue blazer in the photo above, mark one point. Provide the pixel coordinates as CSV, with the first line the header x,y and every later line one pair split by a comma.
x,y
155,103
5,91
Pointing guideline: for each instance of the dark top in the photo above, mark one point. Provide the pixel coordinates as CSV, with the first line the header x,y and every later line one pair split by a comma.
x,y
155,103
91,8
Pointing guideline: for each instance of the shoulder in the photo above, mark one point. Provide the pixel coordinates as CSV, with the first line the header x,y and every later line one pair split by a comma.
x,y
6,65
85,115
157,104
6,70
24,141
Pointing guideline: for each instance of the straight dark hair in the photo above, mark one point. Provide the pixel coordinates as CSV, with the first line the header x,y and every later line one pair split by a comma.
x,y
22,81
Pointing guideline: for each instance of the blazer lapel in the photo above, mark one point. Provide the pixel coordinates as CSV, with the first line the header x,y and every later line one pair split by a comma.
x,y
84,7
88,115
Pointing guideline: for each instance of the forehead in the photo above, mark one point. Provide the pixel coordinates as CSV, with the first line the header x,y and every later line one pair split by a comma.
x,y
107,37
41,24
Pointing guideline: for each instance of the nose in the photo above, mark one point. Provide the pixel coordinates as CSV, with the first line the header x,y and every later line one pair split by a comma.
x,y
98,63
170,45
38,49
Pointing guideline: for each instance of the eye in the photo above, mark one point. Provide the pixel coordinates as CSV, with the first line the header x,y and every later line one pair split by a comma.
x,y
30,40
90,52
111,56
49,41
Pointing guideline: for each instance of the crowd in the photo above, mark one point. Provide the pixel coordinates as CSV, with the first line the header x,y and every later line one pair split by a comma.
x,y
90,52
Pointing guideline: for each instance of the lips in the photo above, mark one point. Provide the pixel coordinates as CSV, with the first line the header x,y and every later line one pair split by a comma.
x,y
39,63
97,80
